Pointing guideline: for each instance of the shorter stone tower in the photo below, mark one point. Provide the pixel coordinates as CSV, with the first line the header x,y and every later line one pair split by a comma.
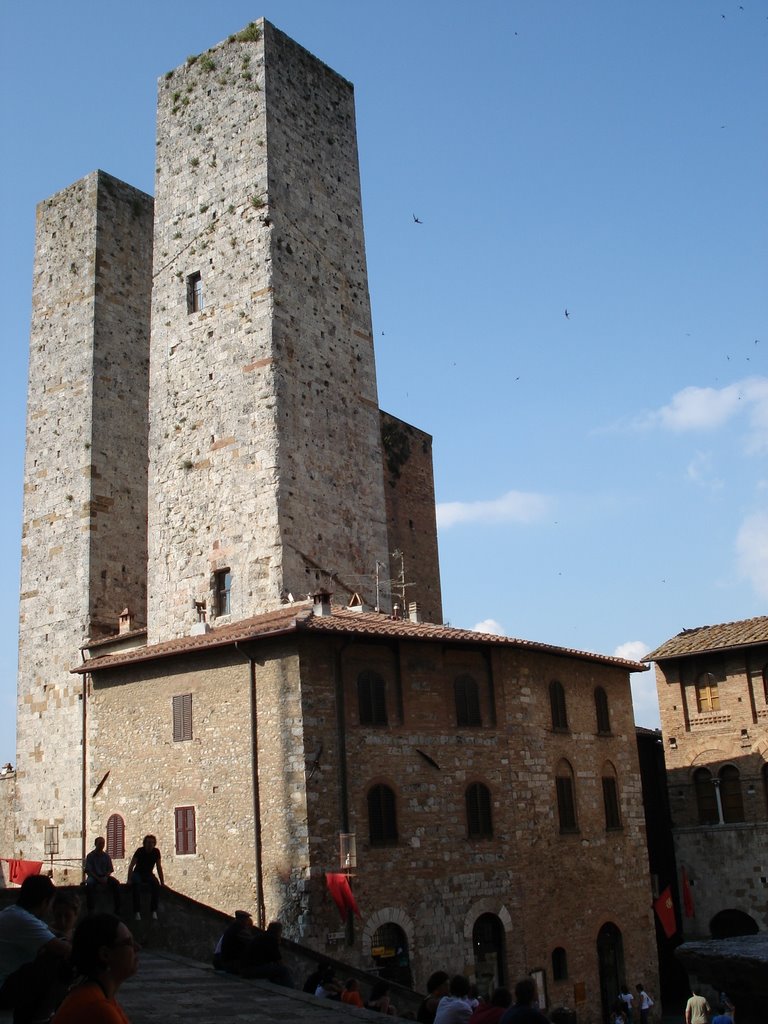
x,y
84,535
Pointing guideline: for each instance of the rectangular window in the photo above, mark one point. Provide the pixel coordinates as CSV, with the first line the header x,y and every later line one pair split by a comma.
x,y
611,803
182,717
186,839
222,585
194,293
566,805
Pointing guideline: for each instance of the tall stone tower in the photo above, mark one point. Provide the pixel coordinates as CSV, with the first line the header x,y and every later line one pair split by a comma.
x,y
265,445
84,533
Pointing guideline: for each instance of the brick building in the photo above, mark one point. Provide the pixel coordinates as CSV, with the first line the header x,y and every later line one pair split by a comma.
x,y
228,457
713,697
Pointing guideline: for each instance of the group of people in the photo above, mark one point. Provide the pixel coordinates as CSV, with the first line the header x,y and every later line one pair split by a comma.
x,y
453,1000
64,973
100,876
624,1007
699,1011
252,952
322,982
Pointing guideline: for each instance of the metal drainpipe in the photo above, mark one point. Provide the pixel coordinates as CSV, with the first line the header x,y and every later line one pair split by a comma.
x,y
261,912
341,733
83,789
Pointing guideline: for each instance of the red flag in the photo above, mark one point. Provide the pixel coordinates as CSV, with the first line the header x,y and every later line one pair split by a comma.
x,y
665,911
18,870
687,896
338,886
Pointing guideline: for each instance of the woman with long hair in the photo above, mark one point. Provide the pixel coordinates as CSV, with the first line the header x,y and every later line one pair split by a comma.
x,y
104,955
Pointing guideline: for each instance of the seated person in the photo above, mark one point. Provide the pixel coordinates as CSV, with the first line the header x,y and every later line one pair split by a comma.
x,y
264,957
99,876
233,948
351,995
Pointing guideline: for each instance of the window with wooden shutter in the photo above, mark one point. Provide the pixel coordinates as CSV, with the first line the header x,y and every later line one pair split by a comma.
x,y
186,839
182,717
478,802
601,712
382,819
115,837
467,697
372,699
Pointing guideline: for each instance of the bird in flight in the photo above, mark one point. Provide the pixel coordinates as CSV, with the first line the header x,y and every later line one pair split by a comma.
x,y
567,315
416,220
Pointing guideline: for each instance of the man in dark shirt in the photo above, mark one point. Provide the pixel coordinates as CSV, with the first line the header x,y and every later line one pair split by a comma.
x,y
141,871
233,948
524,1011
99,874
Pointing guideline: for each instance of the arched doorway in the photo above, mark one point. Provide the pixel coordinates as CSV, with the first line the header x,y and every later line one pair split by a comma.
x,y
389,950
729,923
490,953
610,958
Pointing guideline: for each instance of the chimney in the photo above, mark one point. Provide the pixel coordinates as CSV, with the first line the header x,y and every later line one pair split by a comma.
x,y
356,604
413,612
322,603
125,622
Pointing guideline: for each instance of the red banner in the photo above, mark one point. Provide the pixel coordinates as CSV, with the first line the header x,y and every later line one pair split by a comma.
x,y
665,911
338,886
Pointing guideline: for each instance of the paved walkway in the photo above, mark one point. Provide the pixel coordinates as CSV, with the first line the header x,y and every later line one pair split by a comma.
x,y
173,990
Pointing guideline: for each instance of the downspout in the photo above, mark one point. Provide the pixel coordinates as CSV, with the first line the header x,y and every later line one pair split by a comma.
x,y
341,736
83,790
258,850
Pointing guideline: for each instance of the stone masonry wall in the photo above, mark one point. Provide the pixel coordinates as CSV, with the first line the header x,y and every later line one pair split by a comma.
x,y
83,549
409,491
264,445
548,889
724,862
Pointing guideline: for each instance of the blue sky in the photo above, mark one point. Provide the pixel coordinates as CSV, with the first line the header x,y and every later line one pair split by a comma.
x,y
602,477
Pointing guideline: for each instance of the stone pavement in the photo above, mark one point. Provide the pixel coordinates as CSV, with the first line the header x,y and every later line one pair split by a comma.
x,y
172,989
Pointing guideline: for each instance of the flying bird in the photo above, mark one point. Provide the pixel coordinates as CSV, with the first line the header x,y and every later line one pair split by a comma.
x,y
416,220
567,315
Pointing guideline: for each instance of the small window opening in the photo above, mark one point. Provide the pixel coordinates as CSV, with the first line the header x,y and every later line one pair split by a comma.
x,y
194,293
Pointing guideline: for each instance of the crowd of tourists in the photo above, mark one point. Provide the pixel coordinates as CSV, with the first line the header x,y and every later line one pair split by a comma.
x,y
65,972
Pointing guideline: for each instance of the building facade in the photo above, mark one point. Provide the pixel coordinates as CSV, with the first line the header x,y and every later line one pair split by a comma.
x,y
491,786
713,697
204,450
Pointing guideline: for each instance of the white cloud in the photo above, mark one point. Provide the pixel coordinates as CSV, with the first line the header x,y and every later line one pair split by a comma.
x,y
512,507
489,626
645,701
697,409
752,551
700,471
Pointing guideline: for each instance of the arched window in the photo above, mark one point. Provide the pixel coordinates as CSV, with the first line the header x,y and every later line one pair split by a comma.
x,y
611,797
566,798
371,699
382,817
478,801
706,797
467,697
559,964
707,698
601,711
557,706
730,794
116,837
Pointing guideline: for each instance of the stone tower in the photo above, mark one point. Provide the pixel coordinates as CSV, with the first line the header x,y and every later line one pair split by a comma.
x,y
265,446
84,533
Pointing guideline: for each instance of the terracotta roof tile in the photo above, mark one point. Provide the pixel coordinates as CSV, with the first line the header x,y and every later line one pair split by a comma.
x,y
703,639
298,618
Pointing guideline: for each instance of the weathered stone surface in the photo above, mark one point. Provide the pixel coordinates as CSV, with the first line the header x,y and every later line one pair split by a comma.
x,y
85,506
738,966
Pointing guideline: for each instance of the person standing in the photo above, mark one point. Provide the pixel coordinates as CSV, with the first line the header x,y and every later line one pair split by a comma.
x,y
697,1009
628,999
141,871
99,874
644,1004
